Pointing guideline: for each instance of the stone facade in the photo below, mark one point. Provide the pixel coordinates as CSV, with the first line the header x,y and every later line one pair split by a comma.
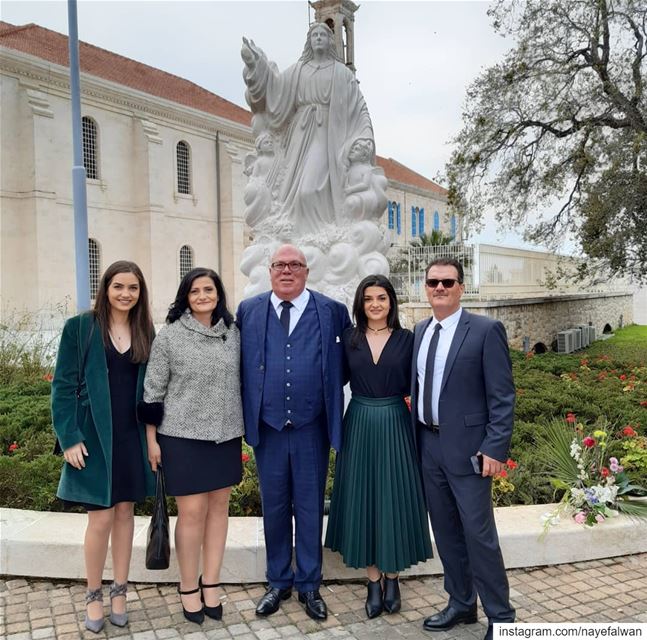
x,y
134,209
541,318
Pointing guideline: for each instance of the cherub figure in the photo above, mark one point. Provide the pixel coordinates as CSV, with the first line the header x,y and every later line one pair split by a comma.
x,y
364,188
258,167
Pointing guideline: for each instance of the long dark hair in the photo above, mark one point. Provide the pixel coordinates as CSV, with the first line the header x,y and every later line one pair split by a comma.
x,y
361,321
181,302
139,317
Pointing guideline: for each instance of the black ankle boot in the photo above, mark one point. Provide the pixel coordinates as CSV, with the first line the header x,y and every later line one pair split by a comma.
x,y
392,601
374,606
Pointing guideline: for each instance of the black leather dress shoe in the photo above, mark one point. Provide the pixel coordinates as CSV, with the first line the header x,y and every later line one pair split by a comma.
x,y
448,618
315,606
270,602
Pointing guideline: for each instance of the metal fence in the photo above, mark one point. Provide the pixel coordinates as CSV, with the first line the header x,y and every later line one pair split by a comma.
x,y
493,272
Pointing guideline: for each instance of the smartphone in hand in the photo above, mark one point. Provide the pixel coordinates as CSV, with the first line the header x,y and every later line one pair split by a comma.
x,y
477,463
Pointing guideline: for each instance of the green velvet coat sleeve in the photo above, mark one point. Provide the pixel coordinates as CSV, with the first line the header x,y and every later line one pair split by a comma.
x,y
64,385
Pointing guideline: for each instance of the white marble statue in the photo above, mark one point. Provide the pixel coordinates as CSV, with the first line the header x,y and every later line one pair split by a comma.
x,y
313,181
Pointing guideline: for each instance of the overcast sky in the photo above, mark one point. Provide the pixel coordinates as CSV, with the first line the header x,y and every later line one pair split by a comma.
x,y
414,59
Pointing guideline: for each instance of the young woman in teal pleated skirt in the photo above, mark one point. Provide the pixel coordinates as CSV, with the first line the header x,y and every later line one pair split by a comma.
x,y
378,519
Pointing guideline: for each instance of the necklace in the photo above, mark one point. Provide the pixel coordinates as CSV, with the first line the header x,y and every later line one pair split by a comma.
x,y
377,330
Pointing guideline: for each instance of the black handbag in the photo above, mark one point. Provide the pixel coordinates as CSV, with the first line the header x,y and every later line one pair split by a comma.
x,y
158,546
80,383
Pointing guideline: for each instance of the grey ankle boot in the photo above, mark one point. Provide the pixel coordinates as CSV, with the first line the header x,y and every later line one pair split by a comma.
x,y
92,595
116,589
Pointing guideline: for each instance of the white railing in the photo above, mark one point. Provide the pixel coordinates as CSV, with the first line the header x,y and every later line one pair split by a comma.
x,y
493,272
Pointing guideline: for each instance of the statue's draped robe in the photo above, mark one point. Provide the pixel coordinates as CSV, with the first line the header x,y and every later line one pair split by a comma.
x,y
317,112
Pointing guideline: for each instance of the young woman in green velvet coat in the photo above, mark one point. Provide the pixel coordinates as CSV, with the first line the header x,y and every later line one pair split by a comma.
x,y
94,399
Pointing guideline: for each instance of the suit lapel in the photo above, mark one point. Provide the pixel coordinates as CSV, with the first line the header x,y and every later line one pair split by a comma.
x,y
324,314
259,313
96,380
459,335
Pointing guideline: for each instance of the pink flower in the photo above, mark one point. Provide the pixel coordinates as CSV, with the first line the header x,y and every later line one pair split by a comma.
x,y
580,517
588,442
570,418
503,473
599,518
13,446
245,457
614,466
628,431
604,472
623,377
511,464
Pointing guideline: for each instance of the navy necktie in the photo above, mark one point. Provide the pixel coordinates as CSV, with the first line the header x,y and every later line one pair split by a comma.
x,y
429,374
285,315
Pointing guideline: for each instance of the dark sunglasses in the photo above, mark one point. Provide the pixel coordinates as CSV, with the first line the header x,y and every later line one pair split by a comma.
x,y
447,283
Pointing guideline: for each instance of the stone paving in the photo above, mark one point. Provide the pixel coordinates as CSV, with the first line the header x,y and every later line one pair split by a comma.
x,y
598,591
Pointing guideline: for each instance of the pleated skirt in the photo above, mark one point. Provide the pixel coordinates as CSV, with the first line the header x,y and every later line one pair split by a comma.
x,y
377,511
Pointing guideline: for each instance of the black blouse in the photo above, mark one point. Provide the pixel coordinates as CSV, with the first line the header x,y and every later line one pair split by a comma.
x,y
391,376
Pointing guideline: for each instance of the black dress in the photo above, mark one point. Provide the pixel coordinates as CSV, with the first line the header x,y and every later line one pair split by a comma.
x,y
128,478
377,512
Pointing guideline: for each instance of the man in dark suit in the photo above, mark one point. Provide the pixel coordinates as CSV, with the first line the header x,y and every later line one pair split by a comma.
x,y
462,403
292,381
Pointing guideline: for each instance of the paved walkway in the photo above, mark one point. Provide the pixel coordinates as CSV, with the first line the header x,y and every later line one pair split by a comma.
x,y
597,591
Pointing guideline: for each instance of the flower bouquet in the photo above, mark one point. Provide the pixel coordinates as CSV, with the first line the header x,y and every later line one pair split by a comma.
x,y
581,463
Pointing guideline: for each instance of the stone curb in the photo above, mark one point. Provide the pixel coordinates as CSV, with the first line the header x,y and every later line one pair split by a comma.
x,y
50,545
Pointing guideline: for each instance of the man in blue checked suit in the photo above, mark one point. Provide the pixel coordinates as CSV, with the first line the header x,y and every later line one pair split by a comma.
x,y
292,380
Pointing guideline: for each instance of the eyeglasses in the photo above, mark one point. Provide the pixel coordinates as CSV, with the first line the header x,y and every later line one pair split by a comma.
x,y
447,283
294,267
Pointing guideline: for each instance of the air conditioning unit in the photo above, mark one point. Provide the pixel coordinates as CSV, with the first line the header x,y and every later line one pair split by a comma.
x,y
584,329
591,334
565,342
577,339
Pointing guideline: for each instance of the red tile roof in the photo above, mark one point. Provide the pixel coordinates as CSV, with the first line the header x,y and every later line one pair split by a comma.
x,y
53,47
399,173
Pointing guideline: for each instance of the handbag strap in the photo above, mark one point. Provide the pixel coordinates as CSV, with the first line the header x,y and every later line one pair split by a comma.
x,y
84,360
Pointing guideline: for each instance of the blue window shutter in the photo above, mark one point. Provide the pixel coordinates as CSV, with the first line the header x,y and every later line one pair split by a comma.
x,y
453,227
421,221
399,219
436,221
391,205
413,222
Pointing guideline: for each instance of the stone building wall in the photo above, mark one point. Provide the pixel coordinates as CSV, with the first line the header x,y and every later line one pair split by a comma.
x,y
541,318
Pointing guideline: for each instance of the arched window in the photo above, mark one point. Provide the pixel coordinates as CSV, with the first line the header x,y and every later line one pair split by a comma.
x,y
453,227
414,221
436,221
391,219
421,222
183,156
90,147
186,260
94,260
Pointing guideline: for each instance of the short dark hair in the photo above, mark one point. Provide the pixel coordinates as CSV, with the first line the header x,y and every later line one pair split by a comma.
x,y
181,302
447,262
361,321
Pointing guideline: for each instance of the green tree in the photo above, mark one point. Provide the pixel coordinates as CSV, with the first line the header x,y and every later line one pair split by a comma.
x,y
434,239
560,124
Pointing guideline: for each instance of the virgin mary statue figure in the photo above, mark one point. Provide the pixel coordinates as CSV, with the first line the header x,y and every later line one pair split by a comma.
x,y
313,113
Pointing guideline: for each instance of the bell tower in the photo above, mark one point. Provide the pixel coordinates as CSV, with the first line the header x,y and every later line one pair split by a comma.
x,y
339,16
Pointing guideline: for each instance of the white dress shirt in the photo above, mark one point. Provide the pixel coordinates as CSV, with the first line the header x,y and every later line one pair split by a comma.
x,y
445,337
299,305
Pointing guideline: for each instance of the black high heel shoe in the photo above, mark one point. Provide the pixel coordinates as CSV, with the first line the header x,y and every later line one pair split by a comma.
x,y
392,602
191,616
374,605
215,613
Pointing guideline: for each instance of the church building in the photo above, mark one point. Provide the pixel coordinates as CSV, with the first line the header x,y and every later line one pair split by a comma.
x,y
164,160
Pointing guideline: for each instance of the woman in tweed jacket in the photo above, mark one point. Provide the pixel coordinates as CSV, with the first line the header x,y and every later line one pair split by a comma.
x,y
193,411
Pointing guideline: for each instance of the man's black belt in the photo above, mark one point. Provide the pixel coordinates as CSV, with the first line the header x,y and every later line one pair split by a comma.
x,y
434,428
